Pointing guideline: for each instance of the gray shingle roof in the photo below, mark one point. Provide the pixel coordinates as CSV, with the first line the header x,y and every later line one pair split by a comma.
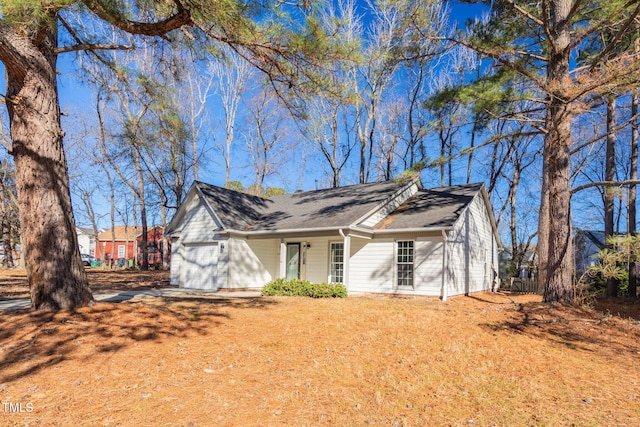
x,y
333,207
235,210
433,208
337,207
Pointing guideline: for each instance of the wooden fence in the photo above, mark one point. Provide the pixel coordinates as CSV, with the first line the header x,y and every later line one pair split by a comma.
x,y
521,286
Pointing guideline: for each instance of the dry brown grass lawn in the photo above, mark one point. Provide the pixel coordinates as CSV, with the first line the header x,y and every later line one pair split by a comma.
x,y
13,283
484,360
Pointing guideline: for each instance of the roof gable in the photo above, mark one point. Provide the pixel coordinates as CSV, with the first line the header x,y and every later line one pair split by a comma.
x,y
432,208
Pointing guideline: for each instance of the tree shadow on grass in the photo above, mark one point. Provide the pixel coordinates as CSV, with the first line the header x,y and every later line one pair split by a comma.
x,y
574,327
14,284
34,341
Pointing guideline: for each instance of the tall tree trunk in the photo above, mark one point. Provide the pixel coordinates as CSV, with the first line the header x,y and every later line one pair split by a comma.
x,y
558,280
518,254
57,278
144,263
542,248
7,260
633,272
5,223
610,171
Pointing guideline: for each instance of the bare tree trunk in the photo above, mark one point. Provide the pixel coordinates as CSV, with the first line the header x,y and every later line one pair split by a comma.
x,y
633,272
57,278
557,227
543,230
7,260
472,144
513,196
612,284
144,266
164,242
5,223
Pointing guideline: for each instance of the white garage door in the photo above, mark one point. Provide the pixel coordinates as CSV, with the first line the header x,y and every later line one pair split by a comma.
x,y
200,266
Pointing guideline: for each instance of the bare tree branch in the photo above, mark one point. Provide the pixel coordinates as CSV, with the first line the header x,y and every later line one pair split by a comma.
x,y
89,46
605,184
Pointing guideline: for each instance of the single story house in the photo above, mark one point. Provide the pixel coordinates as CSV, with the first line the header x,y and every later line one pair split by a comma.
x,y
388,237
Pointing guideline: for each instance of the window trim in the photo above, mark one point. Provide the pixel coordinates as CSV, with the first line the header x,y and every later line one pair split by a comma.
x,y
331,262
398,263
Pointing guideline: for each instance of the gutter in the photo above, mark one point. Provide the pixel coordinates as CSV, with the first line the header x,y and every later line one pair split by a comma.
x,y
275,233
412,230
368,233
443,292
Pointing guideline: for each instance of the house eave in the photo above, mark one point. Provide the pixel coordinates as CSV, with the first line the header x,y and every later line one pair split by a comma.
x,y
412,230
265,234
358,232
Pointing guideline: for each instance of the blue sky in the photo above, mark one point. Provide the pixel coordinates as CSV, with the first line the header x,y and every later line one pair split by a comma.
x,y
75,99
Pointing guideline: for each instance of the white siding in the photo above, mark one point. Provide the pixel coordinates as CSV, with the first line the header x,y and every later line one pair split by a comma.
x,y
198,226
472,256
176,262
200,267
84,244
428,266
195,253
316,259
372,266
252,263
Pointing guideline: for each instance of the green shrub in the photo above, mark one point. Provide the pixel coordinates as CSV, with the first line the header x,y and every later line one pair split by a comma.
x,y
303,288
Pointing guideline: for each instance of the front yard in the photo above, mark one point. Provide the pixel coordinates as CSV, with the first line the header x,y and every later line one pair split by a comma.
x,y
484,360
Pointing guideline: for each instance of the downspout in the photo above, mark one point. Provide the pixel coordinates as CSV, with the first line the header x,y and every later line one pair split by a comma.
x,y
347,255
283,259
444,266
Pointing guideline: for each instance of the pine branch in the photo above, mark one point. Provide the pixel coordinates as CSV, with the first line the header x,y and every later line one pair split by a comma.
x,y
507,63
617,37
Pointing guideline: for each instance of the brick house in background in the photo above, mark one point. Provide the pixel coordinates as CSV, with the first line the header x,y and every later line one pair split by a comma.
x,y
124,247
128,245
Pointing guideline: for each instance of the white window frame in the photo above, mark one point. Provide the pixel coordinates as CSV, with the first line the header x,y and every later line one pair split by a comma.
x,y
121,251
403,258
333,263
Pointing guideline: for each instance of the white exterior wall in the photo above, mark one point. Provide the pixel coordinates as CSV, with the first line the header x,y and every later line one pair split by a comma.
x,y
372,265
200,267
252,263
316,259
472,252
427,264
84,244
197,228
197,225
176,262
